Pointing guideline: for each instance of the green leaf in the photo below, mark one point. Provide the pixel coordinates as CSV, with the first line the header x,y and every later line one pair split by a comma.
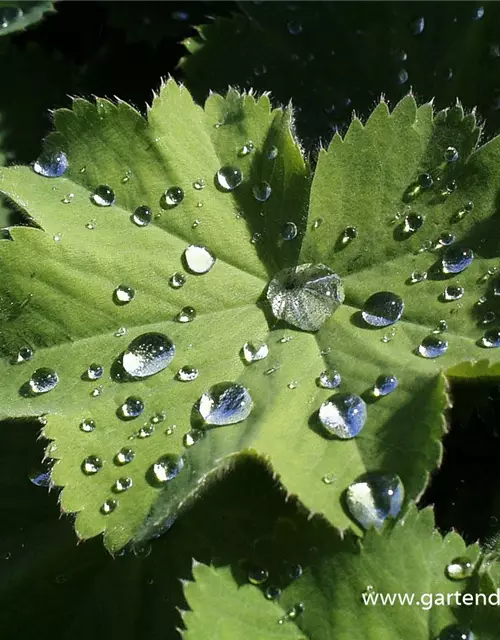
x,y
17,16
62,305
407,558
331,59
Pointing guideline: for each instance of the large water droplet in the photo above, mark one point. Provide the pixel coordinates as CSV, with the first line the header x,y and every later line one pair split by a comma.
x,y
103,196
131,408
225,403
123,294
174,196
51,164
228,178
375,497
43,380
418,276
94,371
186,314
91,465
262,191
382,309
451,293
148,354
384,385
88,425
343,415
254,352
456,259
124,456
432,347
491,339
142,216
187,373
257,575
305,296
459,569
329,379
177,280
198,259
167,468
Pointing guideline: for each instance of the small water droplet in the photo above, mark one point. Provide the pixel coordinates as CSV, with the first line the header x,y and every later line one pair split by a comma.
x,y
451,154
25,354
167,468
348,235
186,314
256,237
142,216
246,149
94,371
124,456
88,425
195,224
294,27
199,259
199,184
68,198
402,76
425,181
177,280
41,478
120,332
131,408
432,347
228,178
103,196
123,294
158,417
491,339
271,370
442,326
454,632
262,191
305,296
418,276
272,592
108,506
384,385
173,196
329,379
123,484
257,575
285,339
467,208
389,336
452,293
43,380
375,497
425,246
413,222
488,317
253,352
190,438
146,431
148,354
91,225
329,478
293,384
417,26
382,309
292,614
51,164
91,465
343,415
95,393
456,259
187,373
459,569
289,231
317,223
445,239
272,152
225,403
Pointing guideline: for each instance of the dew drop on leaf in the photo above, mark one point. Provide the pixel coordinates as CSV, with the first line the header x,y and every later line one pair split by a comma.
x,y
228,178
103,196
254,352
491,339
68,198
451,293
199,184
43,380
51,164
418,276
177,280
262,191
425,180
124,456
272,592
225,403
91,465
167,468
123,294
329,478
417,26
292,614
445,239
190,438
451,154
305,296
199,259
186,314
108,506
456,259
146,431
131,408
148,354
95,393
272,152
289,231
120,332
246,149
187,373
122,484
142,216
317,223
174,196
329,379
459,569
348,235
87,426
343,415
94,371
292,571
432,347
25,354
488,317
382,309
384,385
413,222
294,27
374,497
257,575
454,632
441,327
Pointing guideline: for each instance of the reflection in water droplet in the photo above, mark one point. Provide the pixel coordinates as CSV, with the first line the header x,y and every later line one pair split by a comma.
x,y
289,231
225,403
228,178
25,354
382,309
122,484
124,456
343,415
131,408
330,379
51,164
445,239
148,354
103,196
142,216
123,294
167,468
417,26
262,191
87,425
432,347
254,352
305,296
384,385
272,592
459,569
348,235
174,196
177,280
491,339
199,259
456,259
374,498
108,506
91,465
413,222
186,314
418,276
187,373
43,380
257,575
452,292
451,154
